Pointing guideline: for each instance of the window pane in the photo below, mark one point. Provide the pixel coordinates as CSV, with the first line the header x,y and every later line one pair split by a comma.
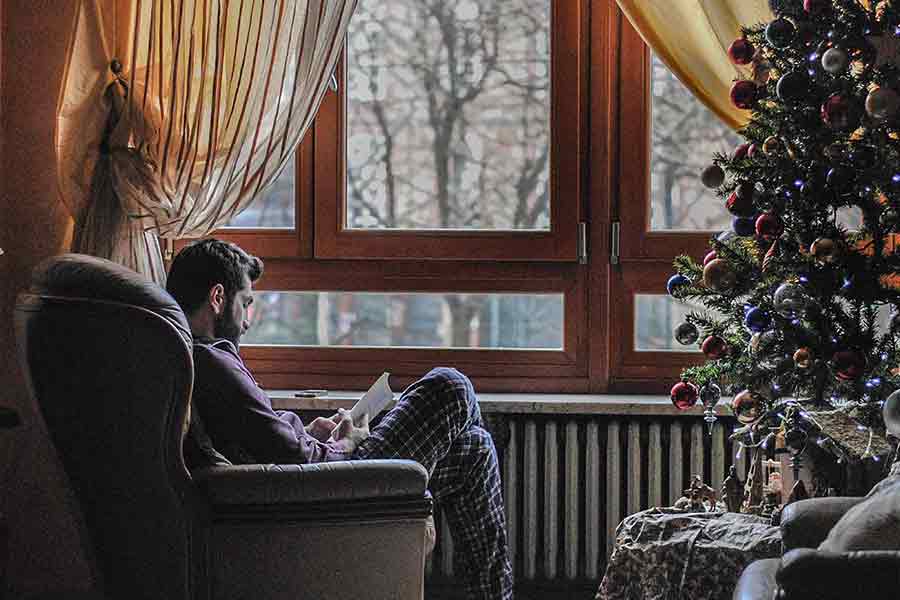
x,y
275,208
448,115
517,321
655,317
686,134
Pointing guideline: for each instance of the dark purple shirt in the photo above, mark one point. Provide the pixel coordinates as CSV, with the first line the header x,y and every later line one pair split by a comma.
x,y
239,417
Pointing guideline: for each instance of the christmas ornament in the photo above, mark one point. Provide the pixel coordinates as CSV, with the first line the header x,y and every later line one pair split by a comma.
x,y
771,145
825,250
747,406
686,333
718,276
741,51
744,94
757,319
740,206
740,153
710,394
835,60
710,256
795,439
838,112
891,413
752,150
769,258
816,7
793,87
712,176
780,33
803,358
676,282
744,226
768,226
848,364
684,395
714,347
882,103
790,300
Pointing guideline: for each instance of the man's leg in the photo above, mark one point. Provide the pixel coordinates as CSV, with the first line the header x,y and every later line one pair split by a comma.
x,y
437,423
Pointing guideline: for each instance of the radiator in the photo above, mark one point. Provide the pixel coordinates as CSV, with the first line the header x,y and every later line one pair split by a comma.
x,y
569,480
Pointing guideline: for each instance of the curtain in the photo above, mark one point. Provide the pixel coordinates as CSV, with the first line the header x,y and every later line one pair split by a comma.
x,y
692,37
175,114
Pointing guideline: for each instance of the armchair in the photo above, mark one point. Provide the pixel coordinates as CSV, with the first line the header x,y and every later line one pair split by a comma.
x,y
108,359
806,572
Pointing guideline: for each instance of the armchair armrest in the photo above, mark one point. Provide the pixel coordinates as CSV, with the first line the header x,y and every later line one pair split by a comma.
x,y
318,490
807,574
806,523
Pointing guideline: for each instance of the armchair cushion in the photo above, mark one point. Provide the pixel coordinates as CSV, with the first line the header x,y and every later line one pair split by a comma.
x,y
873,524
313,483
807,574
806,523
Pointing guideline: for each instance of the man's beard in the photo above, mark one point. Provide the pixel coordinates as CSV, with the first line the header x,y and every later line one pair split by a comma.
x,y
225,326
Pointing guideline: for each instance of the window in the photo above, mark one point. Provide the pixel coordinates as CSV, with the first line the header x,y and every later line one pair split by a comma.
x,y
432,215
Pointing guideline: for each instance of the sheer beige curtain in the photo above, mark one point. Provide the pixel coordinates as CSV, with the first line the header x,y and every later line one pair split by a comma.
x,y
692,36
175,114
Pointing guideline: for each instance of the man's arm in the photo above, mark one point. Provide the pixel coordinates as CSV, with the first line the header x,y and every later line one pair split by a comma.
x,y
237,410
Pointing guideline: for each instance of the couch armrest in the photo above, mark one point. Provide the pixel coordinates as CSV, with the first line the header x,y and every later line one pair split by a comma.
x,y
807,574
340,485
806,523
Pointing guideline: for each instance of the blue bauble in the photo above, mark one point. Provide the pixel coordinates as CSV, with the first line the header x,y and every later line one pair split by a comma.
x,y
757,320
676,281
744,226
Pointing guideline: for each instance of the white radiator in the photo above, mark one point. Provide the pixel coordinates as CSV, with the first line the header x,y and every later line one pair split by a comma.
x,y
568,481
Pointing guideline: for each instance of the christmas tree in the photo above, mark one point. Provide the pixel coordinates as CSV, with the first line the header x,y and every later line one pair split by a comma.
x,y
802,296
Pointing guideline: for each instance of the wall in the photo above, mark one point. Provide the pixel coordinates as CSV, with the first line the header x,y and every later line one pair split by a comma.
x,y
33,225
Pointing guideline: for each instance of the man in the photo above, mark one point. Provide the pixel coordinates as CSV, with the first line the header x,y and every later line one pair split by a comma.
x,y
436,420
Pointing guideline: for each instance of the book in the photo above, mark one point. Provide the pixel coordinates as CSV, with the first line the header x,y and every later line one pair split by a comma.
x,y
375,400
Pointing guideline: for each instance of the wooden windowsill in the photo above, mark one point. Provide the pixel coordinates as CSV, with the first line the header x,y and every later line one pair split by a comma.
x,y
580,404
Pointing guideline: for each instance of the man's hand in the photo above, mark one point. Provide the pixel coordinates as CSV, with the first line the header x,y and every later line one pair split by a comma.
x,y
321,427
348,434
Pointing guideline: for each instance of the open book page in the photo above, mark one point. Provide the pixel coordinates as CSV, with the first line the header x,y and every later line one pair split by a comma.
x,y
375,400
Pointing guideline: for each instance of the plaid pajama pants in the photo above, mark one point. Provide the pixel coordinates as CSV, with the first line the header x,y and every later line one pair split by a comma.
x,y
437,423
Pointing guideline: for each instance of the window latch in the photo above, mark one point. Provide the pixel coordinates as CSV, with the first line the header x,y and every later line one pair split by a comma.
x,y
582,243
615,233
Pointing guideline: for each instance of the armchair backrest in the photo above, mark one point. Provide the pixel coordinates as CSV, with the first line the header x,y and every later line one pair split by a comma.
x,y
107,355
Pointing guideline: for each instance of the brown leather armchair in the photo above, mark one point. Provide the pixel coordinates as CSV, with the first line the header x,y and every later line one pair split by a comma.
x,y
108,358
805,573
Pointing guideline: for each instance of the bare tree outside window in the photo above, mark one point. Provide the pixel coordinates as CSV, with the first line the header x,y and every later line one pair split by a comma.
x,y
686,134
448,115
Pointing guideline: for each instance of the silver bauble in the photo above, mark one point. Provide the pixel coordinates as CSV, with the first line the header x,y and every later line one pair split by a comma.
x,y
790,300
710,394
835,61
891,413
686,333
882,103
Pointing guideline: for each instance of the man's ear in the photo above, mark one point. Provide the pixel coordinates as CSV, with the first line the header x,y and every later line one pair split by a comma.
x,y
217,298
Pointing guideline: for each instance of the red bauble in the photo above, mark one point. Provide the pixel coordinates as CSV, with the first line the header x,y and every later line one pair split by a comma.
x,y
684,395
838,112
711,256
848,364
752,150
740,152
744,94
768,226
741,51
747,406
740,206
816,7
714,347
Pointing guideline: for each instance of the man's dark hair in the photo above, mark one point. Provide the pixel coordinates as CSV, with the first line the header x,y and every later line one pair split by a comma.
x,y
202,264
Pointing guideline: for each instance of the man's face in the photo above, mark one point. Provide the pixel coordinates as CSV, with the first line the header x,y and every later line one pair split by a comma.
x,y
234,321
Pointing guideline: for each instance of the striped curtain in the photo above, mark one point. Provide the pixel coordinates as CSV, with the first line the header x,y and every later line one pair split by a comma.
x,y
175,114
